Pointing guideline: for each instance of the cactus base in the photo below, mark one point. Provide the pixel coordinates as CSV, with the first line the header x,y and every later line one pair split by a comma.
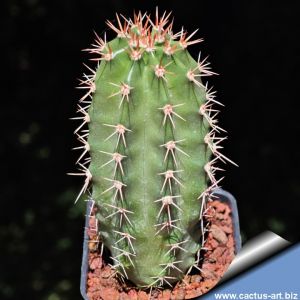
x,y
223,242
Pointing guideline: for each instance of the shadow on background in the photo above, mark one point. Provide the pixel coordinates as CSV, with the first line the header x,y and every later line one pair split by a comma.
x,y
253,46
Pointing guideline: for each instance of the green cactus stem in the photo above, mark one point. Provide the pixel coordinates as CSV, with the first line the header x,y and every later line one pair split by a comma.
x,y
152,130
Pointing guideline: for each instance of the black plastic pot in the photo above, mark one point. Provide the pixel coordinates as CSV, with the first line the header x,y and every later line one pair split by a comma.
x,y
223,197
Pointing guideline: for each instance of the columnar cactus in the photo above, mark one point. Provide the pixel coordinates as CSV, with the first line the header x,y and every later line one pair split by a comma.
x,y
152,130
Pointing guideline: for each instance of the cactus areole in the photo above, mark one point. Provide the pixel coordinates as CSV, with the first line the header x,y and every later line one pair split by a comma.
x,y
150,142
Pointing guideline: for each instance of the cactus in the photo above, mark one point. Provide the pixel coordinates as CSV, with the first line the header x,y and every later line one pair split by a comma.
x,y
152,130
